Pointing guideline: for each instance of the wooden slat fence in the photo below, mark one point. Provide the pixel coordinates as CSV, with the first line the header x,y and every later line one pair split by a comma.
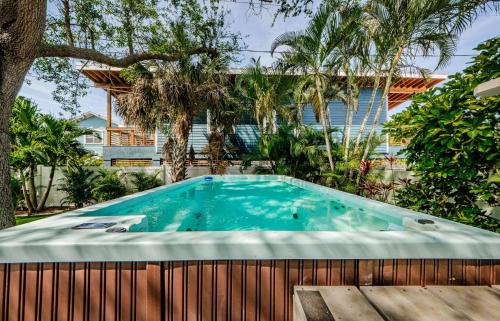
x,y
205,290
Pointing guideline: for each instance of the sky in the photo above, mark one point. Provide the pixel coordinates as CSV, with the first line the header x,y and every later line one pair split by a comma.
x,y
258,33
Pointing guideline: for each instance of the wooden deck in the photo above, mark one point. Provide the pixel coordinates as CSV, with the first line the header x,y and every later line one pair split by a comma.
x,y
396,303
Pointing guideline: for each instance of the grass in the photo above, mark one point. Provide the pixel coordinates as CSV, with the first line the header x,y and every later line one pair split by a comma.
x,y
26,219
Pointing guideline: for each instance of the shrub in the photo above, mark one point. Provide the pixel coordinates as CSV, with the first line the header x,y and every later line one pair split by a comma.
x,y
454,144
77,183
107,185
143,181
15,187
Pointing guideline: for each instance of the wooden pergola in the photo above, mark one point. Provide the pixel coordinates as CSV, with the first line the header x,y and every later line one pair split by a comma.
x,y
110,80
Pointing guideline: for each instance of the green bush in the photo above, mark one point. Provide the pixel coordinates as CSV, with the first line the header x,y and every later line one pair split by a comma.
x,y
143,181
454,144
15,187
292,151
77,184
107,185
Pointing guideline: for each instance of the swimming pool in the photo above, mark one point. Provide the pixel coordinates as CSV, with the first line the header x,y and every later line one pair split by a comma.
x,y
247,203
243,217
231,248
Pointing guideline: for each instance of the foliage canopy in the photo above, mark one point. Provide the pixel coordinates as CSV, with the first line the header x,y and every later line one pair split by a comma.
x,y
454,144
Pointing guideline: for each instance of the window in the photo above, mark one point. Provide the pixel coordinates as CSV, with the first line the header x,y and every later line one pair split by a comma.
x,y
96,138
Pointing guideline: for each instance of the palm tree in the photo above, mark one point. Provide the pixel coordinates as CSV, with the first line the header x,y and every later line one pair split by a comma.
x,y
375,64
77,184
410,27
314,53
170,97
41,140
143,181
268,94
26,147
353,61
60,146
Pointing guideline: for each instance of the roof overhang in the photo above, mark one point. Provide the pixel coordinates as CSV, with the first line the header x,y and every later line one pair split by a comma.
x,y
402,89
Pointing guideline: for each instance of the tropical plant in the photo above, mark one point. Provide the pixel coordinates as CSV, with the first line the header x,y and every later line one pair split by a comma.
x,y
77,184
404,28
267,92
107,185
338,178
168,95
173,95
38,139
454,144
313,52
297,153
15,186
143,181
26,147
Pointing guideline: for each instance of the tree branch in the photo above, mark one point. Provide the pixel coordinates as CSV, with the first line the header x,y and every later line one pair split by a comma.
x,y
64,51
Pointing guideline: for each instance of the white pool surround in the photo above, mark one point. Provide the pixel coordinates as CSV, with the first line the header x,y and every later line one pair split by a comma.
x,y
54,240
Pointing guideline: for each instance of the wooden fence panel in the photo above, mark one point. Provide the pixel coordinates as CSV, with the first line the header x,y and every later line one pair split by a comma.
x,y
205,290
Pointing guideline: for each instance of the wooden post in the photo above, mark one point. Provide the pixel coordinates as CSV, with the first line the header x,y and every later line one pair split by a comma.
x,y
132,137
108,119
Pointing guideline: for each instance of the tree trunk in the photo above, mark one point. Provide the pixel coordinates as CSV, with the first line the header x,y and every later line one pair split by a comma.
x,y
11,78
387,87
41,205
319,90
361,131
180,132
32,186
22,24
347,132
25,193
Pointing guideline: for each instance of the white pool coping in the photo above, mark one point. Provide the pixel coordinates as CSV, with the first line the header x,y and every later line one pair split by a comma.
x,y
53,240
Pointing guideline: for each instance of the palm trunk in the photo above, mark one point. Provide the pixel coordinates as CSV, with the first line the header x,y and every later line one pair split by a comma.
x,y
328,116
346,119
362,128
32,186
319,91
387,87
347,133
361,131
180,132
41,205
25,194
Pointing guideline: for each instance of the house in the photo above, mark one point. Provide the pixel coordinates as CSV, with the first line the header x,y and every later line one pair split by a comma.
x,y
98,124
128,146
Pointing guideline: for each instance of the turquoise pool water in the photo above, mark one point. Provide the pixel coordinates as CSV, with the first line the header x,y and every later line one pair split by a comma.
x,y
239,205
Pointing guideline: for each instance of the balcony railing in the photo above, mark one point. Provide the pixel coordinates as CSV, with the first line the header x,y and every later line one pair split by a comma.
x,y
396,142
129,136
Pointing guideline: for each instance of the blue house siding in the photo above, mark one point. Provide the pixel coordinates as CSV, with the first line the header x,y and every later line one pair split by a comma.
x,y
246,138
198,138
246,134
338,111
97,124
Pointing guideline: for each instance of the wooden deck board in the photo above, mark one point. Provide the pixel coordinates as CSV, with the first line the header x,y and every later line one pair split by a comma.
x,y
314,306
348,303
480,303
345,303
411,303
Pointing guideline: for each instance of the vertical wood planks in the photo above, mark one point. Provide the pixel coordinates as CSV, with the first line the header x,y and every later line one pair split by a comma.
x,y
205,290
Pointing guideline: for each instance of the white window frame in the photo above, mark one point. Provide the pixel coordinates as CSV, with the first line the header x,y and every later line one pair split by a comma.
x,y
101,134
